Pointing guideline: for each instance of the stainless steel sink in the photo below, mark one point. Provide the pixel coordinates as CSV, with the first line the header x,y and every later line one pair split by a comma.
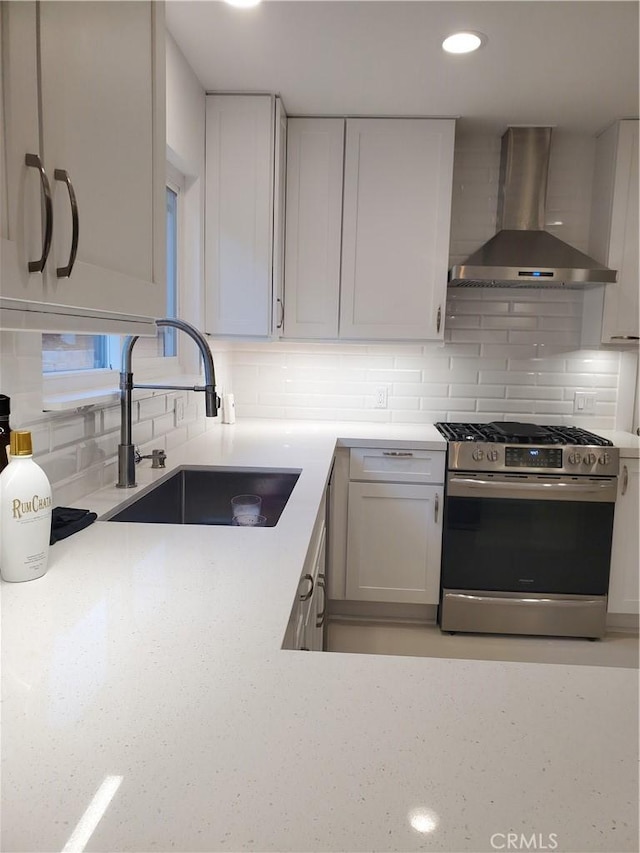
x,y
194,494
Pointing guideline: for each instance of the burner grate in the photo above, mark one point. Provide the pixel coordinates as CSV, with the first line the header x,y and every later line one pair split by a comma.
x,y
508,433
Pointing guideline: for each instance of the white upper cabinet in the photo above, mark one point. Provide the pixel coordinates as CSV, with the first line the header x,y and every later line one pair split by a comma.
x,y
395,238
243,230
368,242
84,130
611,311
315,152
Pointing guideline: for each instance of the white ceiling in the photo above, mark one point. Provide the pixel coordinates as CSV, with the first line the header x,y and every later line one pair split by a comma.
x,y
568,63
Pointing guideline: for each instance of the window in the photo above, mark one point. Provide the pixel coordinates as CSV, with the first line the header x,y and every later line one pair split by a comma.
x,y
66,353
74,352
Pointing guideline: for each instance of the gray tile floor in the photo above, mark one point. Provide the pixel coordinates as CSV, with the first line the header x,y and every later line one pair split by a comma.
x,y
391,638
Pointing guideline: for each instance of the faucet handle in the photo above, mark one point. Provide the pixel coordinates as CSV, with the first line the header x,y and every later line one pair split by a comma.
x,y
158,457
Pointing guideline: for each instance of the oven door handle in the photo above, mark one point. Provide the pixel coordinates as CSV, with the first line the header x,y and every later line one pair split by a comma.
x,y
549,490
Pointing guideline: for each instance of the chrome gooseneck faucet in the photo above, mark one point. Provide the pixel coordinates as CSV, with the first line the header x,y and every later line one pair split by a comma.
x,y
126,450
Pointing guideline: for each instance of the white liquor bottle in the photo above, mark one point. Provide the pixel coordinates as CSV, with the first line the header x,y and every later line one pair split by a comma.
x,y
25,513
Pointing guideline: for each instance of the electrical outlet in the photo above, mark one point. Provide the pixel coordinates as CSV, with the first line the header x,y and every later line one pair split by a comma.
x,y
380,401
584,403
179,410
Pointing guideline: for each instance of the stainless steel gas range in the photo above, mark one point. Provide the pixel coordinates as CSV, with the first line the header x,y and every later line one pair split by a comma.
x,y
528,522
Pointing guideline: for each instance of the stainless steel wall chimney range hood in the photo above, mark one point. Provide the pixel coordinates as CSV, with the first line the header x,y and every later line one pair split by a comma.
x,y
522,253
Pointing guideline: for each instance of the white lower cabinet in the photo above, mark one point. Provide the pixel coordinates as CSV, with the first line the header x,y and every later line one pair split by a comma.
x,y
385,529
394,542
624,596
305,631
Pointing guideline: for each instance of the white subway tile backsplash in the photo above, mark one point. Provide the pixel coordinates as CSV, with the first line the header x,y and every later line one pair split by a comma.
x,y
483,336
71,430
508,377
508,353
466,364
580,380
506,406
110,418
163,424
568,340
403,404
60,465
594,365
549,407
143,431
462,321
150,407
548,309
367,361
537,392
476,307
479,391
508,321
381,376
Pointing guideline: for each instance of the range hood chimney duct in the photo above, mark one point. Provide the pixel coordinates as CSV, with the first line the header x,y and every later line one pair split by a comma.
x,y
522,253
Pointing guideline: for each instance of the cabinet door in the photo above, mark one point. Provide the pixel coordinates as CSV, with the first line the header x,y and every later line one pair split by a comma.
x,y
397,209
625,559
102,97
21,224
314,227
239,214
611,312
394,543
620,320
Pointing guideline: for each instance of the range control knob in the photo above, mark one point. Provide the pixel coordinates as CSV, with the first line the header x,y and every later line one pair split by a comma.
x,y
492,455
478,455
605,459
575,459
590,459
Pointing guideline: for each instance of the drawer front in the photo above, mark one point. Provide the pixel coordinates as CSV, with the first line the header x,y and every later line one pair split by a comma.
x,y
397,465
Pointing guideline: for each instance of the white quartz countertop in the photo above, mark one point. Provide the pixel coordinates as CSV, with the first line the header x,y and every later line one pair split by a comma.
x,y
148,705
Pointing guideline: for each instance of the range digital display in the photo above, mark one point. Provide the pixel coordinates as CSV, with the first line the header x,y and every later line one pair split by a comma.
x,y
533,457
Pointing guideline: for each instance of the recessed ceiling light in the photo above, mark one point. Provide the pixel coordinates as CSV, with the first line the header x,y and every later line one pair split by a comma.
x,y
243,4
464,42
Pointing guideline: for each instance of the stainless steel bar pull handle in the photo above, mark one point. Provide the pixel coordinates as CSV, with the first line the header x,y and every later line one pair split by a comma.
x,y
625,480
321,616
397,453
34,161
436,507
625,338
63,175
281,320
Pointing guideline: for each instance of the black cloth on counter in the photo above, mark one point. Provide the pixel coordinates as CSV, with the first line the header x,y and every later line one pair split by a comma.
x,y
66,520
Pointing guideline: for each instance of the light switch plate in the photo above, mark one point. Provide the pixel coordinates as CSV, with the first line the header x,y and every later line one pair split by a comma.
x,y
584,403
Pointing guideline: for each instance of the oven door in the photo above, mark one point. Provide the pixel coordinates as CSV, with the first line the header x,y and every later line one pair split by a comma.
x,y
528,533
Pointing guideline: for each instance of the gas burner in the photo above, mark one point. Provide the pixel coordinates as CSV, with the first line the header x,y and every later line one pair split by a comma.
x,y
510,432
